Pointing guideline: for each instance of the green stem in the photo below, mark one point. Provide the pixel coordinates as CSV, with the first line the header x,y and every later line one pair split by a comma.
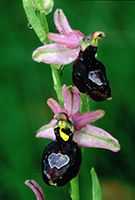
x,y
44,23
84,103
75,188
75,182
57,83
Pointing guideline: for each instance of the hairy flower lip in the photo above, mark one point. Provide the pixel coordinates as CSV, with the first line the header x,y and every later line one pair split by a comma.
x,y
85,134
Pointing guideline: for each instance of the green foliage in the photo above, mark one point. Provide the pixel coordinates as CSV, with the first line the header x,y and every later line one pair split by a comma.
x,y
96,190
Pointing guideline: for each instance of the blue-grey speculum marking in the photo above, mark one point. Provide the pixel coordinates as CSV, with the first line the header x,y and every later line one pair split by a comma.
x,y
58,160
94,76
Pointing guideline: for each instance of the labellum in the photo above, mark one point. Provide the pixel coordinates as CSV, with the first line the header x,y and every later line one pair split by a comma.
x,y
89,75
61,158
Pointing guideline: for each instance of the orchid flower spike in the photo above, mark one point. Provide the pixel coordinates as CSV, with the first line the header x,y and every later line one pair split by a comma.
x,y
84,134
67,44
38,191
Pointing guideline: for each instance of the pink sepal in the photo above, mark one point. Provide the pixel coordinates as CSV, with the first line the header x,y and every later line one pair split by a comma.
x,y
91,136
72,99
47,131
61,22
55,53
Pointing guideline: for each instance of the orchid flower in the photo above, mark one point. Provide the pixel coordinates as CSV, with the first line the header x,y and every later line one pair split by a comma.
x,y
38,191
85,135
67,44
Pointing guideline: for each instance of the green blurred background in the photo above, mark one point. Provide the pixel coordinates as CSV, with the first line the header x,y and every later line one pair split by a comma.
x,y
26,85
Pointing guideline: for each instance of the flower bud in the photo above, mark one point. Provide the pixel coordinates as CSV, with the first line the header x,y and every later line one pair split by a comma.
x,y
48,5
44,6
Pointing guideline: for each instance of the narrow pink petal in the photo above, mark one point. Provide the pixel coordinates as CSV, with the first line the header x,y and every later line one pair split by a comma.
x,y
79,33
36,189
55,53
61,22
71,40
80,120
47,131
72,99
54,106
91,136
